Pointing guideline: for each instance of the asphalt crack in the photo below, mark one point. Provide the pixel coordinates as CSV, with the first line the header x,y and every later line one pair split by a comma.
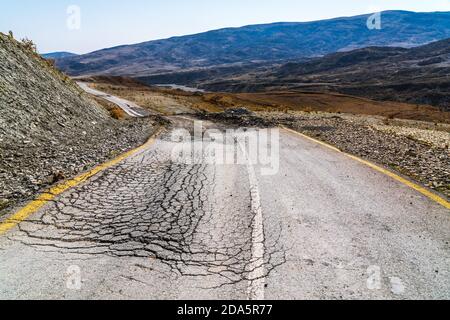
x,y
151,207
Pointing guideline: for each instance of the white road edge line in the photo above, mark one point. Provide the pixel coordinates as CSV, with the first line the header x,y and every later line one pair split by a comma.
x,y
256,284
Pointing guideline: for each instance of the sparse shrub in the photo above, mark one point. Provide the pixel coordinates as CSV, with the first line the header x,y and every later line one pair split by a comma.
x,y
11,35
3,204
308,109
51,62
29,45
387,120
117,113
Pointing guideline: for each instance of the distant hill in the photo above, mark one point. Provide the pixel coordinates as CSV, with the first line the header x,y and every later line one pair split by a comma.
x,y
58,55
416,75
260,44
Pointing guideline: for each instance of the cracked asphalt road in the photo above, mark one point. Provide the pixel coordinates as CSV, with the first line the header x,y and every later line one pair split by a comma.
x,y
322,227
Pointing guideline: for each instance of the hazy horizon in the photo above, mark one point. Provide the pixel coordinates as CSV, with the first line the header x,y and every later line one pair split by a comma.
x,y
103,24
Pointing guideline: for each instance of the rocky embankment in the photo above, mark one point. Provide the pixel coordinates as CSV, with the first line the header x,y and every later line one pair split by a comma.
x,y
49,129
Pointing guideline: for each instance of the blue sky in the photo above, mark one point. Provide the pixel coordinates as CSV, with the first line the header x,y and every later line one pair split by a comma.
x,y
106,23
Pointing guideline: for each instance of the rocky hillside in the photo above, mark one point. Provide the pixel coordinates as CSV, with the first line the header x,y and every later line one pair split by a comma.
x,y
261,43
417,75
49,129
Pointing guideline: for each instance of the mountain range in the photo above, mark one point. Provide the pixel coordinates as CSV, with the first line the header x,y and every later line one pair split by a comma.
x,y
258,44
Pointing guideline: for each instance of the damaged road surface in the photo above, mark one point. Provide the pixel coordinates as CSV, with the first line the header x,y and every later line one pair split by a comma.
x,y
146,228
321,227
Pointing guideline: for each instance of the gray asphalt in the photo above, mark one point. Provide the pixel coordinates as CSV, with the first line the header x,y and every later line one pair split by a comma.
x,y
130,108
323,227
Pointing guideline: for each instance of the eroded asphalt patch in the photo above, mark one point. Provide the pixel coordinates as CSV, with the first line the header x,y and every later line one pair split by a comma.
x,y
190,220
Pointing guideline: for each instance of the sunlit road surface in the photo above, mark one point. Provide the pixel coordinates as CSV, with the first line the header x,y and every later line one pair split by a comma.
x,y
323,227
128,107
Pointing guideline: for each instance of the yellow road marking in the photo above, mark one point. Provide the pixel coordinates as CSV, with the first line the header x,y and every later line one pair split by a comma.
x,y
400,179
53,192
